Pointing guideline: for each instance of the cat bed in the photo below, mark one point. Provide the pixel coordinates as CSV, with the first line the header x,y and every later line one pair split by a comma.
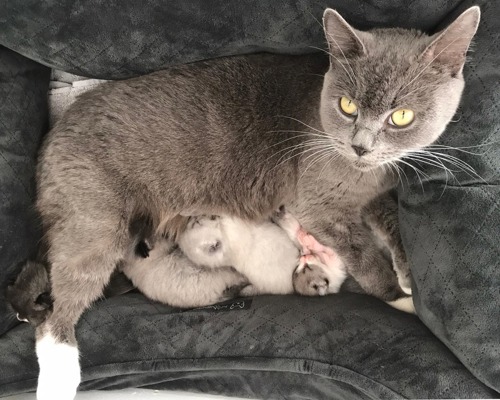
x,y
343,346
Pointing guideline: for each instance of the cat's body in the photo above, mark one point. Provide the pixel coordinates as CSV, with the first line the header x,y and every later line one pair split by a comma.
x,y
217,137
263,253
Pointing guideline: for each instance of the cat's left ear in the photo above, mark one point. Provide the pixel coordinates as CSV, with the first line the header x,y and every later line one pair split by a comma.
x,y
450,46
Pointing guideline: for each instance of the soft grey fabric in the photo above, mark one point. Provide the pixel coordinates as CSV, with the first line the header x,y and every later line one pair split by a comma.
x,y
275,347
100,39
451,230
23,116
346,346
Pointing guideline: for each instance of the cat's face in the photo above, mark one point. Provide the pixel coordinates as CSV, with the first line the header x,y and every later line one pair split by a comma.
x,y
390,91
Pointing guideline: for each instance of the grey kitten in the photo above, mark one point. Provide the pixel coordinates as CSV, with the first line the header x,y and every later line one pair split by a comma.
x,y
29,294
235,136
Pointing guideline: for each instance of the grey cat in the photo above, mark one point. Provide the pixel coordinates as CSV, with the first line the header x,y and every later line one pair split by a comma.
x,y
239,136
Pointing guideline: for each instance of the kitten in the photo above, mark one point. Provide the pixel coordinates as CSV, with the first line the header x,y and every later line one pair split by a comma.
x,y
239,136
263,253
29,294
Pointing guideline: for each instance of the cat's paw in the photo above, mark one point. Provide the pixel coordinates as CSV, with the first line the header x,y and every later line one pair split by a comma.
x,y
402,268
59,370
404,304
310,277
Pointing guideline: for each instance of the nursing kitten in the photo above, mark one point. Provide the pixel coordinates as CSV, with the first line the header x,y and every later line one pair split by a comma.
x,y
237,136
29,294
263,253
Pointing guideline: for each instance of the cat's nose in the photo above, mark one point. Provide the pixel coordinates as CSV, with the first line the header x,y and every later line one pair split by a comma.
x,y
360,150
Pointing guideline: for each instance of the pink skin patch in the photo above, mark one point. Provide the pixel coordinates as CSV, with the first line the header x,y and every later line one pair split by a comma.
x,y
311,247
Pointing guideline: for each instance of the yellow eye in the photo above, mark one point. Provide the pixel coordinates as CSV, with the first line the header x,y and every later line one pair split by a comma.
x,y
402,117
348,107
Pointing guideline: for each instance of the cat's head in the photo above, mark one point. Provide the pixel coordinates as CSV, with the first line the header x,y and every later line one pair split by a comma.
x,y
390,91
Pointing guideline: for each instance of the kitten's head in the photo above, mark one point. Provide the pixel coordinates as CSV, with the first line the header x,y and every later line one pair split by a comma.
x,y
203,241
389,91
29,294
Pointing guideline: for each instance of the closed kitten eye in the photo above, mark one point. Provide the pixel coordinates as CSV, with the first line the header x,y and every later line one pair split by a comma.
x,y
214,247
401,118
348,107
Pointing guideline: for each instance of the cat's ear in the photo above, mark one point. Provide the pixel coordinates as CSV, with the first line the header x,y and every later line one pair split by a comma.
x,y
343,41
450,46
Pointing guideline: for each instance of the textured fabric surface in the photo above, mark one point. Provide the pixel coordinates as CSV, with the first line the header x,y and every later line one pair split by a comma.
x,y
289,347
95,38
452,229
23,113
345,346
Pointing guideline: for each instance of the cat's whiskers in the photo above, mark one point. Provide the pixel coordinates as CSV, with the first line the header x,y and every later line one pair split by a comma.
x,y
322,154
303,123
333,157
289,150
452,160
418,88
351,78
417,171
433,163
330,54
461,148
313,147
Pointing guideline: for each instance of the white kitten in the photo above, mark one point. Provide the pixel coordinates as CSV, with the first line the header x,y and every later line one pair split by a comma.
x,y
264,253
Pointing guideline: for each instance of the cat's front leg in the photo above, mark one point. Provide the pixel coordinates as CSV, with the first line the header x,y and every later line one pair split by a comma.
x,y
381,215
366,263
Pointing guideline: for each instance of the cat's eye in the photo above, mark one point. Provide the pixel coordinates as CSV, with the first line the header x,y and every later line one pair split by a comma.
x,y
401,118
348,107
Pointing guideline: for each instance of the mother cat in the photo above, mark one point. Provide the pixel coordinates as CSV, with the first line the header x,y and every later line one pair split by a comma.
x,y
235,136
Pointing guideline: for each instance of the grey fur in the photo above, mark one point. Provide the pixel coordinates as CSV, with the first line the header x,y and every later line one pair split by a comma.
x,y
29,294
216,137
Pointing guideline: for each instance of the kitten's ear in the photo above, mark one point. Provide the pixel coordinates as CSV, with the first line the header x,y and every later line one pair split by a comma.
x,y
341,37
451,45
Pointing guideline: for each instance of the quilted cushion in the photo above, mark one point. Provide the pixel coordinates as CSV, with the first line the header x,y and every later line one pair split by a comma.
x,y
272,347
23,116
451,229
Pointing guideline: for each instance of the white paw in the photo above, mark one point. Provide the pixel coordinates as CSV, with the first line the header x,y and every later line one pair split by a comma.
x,y
404,304
59,370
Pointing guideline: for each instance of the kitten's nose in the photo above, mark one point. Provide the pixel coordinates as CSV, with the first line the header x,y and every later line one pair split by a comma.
x,y
360,150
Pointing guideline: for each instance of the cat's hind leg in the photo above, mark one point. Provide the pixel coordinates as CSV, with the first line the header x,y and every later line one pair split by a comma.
x,y
82,261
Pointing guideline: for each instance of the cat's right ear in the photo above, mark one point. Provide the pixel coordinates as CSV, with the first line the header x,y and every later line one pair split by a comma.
x,y
343,41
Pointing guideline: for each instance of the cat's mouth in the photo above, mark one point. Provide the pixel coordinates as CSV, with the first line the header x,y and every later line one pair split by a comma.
x,y
363,166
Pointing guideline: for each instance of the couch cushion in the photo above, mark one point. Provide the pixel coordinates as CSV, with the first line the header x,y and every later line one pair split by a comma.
x,y
344,346
451,229
23,117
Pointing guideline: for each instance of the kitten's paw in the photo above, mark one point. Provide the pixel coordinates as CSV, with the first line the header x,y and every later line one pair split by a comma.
x,y
59,370
310,278
248,291
234,288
